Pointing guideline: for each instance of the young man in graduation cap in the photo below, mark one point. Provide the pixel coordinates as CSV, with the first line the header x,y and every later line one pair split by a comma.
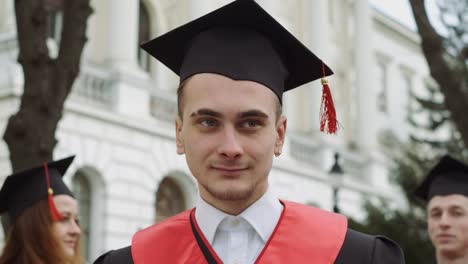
x,y
445,189
234,65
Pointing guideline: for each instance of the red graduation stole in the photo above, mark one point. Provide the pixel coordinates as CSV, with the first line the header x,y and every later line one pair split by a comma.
x,y
304,234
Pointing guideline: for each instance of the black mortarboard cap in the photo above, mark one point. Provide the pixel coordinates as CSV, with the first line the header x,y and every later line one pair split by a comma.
x,y
240,41
24,188
448,176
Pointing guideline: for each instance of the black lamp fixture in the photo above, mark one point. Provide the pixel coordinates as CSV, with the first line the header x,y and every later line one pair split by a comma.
x,y
337,173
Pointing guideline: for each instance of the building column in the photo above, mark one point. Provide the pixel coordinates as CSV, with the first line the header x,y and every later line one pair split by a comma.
x,y
7,16
366,102
132,96
316,38
122,34
199,8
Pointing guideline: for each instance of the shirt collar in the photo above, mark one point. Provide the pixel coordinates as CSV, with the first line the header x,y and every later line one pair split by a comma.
x,y
263,216
208,218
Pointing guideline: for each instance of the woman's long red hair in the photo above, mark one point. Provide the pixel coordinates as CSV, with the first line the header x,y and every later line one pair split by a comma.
x,y
31,240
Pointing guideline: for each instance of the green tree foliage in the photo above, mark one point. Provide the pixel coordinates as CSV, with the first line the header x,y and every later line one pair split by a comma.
x,y
406,226
433,135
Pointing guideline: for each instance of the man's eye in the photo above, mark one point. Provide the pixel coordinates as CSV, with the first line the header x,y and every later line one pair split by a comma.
x,y
435,214
458,213
208,122
250,124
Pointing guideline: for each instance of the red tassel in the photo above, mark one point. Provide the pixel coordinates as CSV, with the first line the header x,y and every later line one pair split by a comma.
x,y
328,121
53,209
50,196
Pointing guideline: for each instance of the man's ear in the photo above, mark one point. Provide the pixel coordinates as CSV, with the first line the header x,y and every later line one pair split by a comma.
x,y
280,134
179,138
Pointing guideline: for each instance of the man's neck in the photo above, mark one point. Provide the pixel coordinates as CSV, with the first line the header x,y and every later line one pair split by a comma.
x,y
442,259
234,207
231,207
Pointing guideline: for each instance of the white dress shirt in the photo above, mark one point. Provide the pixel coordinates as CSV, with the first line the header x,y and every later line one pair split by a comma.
x,y
239,239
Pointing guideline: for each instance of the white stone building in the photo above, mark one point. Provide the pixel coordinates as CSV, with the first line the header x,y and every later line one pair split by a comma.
x,y
119,119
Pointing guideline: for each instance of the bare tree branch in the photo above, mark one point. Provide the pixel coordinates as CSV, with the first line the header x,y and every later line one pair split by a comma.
x,y
30,133
73,39
451,80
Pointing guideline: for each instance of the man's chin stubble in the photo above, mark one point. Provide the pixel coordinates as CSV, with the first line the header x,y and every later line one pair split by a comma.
x,y
230,195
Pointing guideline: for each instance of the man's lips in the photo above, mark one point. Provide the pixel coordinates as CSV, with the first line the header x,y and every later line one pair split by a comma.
x,y
445,236
229,170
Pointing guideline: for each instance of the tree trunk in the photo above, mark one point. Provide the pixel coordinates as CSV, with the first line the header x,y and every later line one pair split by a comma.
x,y
30,133
451,79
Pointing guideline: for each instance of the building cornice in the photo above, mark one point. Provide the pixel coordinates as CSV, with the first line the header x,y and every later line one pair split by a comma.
x,y
385,21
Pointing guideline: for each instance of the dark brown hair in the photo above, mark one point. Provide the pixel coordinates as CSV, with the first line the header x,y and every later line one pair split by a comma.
x,y
180,101
31,240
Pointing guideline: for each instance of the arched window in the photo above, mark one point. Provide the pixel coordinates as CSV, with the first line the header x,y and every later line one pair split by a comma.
x,y
170,199
143,36
82,192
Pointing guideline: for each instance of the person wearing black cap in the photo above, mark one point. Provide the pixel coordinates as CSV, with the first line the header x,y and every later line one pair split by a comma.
x,y
43,216
445,189
234,65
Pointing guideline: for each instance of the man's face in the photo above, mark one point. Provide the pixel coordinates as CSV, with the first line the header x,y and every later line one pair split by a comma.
x,y
448,224
229,133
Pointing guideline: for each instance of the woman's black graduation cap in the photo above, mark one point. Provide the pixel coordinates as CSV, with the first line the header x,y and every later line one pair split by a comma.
x,y
448,176
22,189
243,42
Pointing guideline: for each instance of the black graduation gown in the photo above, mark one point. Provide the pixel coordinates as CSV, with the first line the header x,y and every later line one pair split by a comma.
x,y
357,248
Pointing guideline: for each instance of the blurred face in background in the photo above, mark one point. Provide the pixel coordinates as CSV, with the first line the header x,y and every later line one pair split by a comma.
x,y
448,225
67,230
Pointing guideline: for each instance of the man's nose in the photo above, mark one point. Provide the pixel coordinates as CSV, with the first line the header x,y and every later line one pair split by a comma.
x,y
230,145
444,220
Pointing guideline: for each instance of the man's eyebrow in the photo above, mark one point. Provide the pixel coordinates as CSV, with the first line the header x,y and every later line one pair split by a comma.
x,y
253,113
456,207
245,114
206,112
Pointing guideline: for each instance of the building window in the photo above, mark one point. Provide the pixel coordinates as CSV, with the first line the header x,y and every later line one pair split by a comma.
x,y
54,26
54,19
407,83
408,88
143,36
382,104
54,10
82,192
170,199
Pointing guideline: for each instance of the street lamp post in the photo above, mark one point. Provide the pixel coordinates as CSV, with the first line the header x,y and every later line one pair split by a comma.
x,y
336,173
